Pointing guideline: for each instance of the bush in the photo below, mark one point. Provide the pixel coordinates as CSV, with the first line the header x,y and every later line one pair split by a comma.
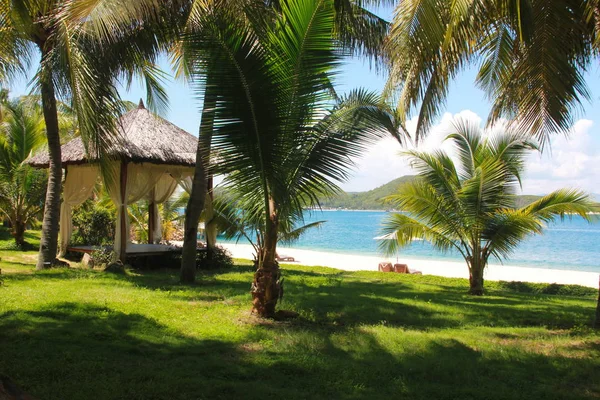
x,y
93,225
220,258
103,256
546,288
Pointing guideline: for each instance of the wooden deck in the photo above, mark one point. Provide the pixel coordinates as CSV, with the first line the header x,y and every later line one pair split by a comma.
x,y
134,249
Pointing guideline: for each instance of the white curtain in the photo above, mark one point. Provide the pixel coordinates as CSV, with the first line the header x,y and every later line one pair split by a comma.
x,y
141,178
184,177
79,183
162,192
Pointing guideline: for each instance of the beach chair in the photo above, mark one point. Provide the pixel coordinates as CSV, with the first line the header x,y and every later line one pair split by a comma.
x,y
283,257
385,267
401,268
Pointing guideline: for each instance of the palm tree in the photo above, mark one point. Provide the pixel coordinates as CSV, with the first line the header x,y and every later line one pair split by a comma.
x,y
531,54
356,30
84,47
468,205
22,188
282,137
169,216
3,101
233,221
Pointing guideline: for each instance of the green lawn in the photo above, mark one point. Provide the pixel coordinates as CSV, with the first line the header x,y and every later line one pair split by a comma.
x,y
81,334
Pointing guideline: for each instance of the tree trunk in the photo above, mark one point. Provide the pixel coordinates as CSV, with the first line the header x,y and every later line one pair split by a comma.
x,y
124,216
151,217
476,279
18,233
199,186
597,321
49,238
209,226
192,218
267,286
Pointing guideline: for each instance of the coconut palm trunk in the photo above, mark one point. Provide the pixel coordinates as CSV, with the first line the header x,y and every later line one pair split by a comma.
x,y
18,232
192,217
210,227
476,267
597,321
49,238
266,286
199,189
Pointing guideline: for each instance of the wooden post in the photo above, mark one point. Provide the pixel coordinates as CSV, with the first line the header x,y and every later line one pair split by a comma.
x,y
151,217
124,233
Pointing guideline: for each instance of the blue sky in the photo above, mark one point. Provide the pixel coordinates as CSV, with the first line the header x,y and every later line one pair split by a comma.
x,y
573,163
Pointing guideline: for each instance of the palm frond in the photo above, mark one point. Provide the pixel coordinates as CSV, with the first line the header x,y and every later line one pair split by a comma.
x,y
405,230
561,203
290,237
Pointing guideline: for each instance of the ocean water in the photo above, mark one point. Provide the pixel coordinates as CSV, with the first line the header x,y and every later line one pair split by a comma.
x,y
572,244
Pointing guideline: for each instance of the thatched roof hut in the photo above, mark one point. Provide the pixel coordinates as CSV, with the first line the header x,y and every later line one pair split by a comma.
x,y
151,157
143,137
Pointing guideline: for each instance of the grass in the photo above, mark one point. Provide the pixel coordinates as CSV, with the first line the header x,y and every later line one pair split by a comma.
x,y
81,334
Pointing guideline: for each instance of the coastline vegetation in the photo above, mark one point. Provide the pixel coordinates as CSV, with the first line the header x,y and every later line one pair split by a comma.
x,y
375,199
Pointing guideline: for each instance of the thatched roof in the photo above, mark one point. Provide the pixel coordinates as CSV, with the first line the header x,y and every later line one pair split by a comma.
x,y
143,137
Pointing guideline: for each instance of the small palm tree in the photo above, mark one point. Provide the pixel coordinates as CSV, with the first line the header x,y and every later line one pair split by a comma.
x,y
468,205
22,188
169,212
357,30
233,221
283,138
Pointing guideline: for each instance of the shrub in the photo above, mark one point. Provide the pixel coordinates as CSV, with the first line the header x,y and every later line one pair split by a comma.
x,y
546,288
103,256
220,258
93,225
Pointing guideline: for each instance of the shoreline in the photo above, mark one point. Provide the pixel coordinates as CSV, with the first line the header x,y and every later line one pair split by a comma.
x,y
448,269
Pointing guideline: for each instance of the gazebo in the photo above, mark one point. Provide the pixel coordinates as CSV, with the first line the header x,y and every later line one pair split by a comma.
x,y
151,157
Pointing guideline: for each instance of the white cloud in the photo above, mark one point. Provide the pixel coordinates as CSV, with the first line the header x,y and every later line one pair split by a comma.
x,y
384,161
572,161
567,162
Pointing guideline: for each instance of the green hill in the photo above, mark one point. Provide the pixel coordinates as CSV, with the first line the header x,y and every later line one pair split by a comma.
x,y
370,200
373,199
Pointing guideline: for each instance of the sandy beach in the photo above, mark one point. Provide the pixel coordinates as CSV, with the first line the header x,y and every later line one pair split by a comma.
x,y
451,269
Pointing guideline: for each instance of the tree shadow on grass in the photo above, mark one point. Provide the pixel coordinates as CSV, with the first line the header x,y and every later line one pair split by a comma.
x,y
84,351
54,274
351,302
334,299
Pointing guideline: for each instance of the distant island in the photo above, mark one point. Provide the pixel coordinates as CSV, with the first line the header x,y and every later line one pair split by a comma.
x,y
374,199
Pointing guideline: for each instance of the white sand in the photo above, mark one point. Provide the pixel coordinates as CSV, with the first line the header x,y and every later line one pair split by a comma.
x,y
452,269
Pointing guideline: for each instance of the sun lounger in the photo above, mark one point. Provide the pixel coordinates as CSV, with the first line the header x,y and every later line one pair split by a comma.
x,y
284,258
401,268
385,267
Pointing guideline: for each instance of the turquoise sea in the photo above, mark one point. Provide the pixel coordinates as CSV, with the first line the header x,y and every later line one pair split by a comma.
x,y
572,244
